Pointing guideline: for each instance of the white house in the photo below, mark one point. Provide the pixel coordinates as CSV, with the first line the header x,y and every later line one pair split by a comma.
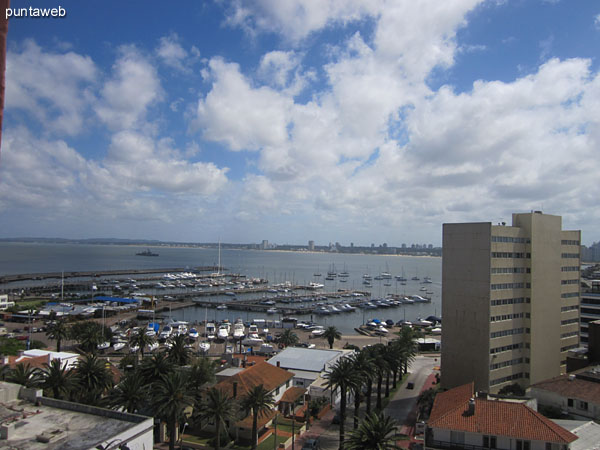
x,y
460,420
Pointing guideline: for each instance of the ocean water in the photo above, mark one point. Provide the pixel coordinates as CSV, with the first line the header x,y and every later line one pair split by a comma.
x,y
277,267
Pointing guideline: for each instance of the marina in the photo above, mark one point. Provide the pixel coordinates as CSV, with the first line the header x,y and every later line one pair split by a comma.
x,y
192,284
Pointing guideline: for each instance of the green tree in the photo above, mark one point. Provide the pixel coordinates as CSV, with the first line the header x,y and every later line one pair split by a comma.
x,y
25,375
57,378
151,369
58,331
407,344
93,377
381,368
170,399
258,401
141,340
375,432
342,375
130,394
362,367
89,334
332,334
288,338
201,371
220,408
179,353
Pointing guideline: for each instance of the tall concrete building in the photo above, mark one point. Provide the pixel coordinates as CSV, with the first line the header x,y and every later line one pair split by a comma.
x,y
510,301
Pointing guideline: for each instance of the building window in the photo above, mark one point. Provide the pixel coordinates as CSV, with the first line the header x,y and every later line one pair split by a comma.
x,y
277,391
582,405
523,445
489,441
570,402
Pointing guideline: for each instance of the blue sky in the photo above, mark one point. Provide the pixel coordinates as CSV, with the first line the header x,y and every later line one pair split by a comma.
x,y
350,121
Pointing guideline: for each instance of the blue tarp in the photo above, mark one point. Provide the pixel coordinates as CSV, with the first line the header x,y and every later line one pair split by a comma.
x,y
116,299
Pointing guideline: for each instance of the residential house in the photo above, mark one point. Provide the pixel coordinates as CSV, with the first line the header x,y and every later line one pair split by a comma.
x,y
576,394
460,420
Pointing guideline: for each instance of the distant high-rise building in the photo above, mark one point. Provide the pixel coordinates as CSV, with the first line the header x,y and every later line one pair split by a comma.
x,y
311,245
403,245
510,301
265,244
351,244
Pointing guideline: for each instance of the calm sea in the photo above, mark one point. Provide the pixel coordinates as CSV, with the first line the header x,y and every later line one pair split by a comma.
x,y
277,267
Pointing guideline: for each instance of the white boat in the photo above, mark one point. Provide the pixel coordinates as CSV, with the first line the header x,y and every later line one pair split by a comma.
x,y
238,330
253,341
349,307
223,331
222,307
134,348
272,311
419,299
210,330
423,323
382,330
316,285
253,331
322,310
334,309
166,332
193,334
318,331
153,346
103,345
119,345
204,347
266,349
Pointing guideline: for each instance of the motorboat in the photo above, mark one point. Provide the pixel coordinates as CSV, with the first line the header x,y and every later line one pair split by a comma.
x,y
318,331
103,345
313,285
253,331
238,330
166,332
266,349
223,331
204,347
253,341
322,310
223,306
272,311
134,348
209,330
119,345
153,346
334,309
193,334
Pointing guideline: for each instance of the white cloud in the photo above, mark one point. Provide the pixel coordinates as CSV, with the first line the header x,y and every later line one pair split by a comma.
x,y
597,21
171,53
128,95
52,87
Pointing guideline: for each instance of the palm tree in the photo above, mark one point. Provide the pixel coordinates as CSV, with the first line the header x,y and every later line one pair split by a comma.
x,y
370,362
89,334
59,331
258,401
288,338
381,367
170,399
342,375
331,334
201,372
152,368
179,354
362,368
141,339
93,377
130,394
376,432
59,379
407,343
218,406
24,375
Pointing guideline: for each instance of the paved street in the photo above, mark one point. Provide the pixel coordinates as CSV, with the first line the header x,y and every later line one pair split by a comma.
x,y
405,400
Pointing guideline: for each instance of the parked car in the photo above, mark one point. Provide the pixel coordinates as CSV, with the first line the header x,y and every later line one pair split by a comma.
x,y
311,444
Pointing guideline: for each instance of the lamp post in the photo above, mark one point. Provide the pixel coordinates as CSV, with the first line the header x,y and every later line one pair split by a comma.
x,y
181,436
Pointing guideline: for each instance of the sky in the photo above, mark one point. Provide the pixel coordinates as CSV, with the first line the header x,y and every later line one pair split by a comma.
x,y
363,121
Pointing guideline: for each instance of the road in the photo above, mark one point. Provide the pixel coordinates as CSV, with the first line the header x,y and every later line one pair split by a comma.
x,y
404,400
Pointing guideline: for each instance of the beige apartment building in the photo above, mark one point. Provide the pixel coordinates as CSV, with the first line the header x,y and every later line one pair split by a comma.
x,y
510,301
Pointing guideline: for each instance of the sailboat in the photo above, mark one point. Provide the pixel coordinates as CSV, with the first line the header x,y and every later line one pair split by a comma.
x,y
416,277
218,274
317,273
401,278
344,273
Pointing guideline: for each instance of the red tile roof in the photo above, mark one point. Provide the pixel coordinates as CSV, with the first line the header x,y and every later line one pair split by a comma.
x,y
292,394
36,362
588,391
493,417
263,419
271,377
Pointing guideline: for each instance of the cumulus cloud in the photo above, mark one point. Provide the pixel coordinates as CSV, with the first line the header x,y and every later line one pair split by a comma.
x,y
55,88
172,53
133,88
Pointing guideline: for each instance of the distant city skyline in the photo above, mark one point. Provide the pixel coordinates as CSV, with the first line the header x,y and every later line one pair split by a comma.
x,y
356,121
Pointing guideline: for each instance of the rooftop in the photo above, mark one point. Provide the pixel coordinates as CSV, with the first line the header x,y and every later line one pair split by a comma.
x,y
271,377
50,423
493,417
306,359
584,385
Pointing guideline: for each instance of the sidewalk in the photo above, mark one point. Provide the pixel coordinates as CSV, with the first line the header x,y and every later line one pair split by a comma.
x,y
408,427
